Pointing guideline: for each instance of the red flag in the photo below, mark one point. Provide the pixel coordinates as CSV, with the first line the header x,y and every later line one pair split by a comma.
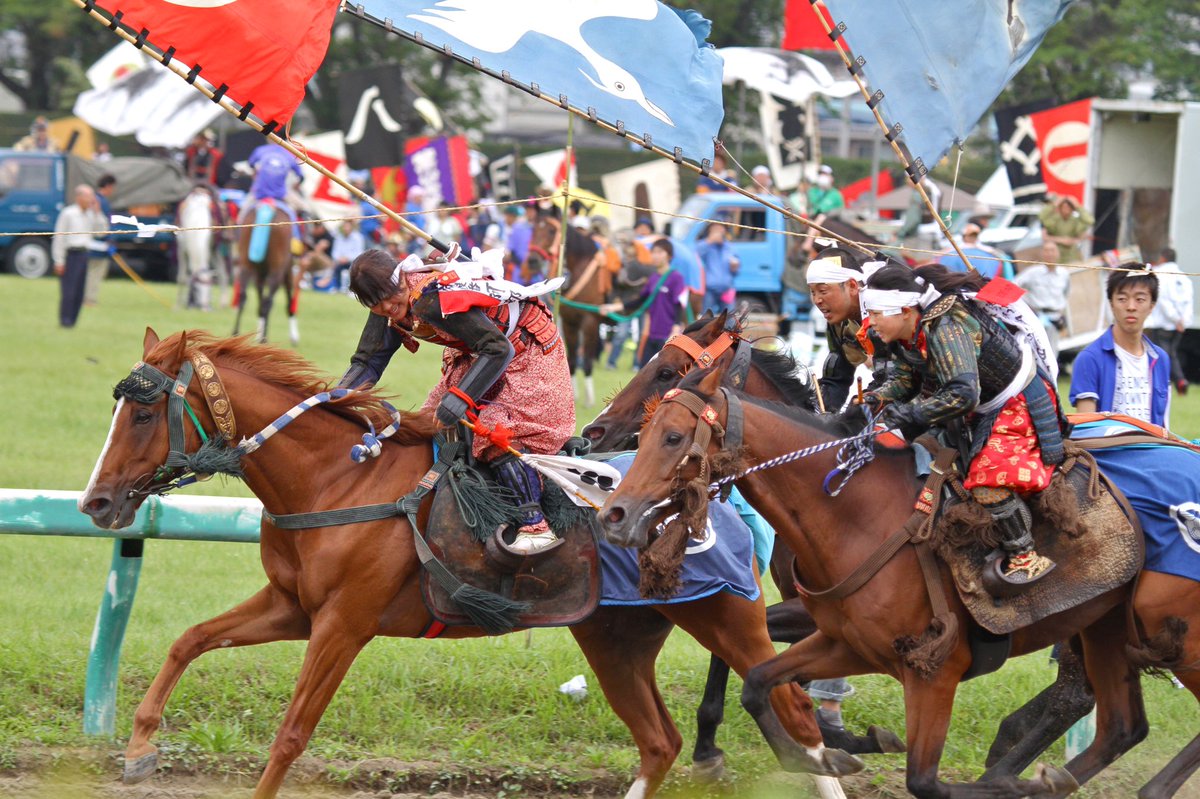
x,y
860,187
999,291
801,28
262,50
1063,134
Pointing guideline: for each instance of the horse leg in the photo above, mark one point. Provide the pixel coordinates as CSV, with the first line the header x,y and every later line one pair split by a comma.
x,y
708,759
267,284
1120,713
928,704
183,274
621,649
241,290
291,290
269,615
734,629
1028,731
332,648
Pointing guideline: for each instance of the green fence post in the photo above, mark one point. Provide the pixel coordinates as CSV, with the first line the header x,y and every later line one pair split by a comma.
x,y
100,692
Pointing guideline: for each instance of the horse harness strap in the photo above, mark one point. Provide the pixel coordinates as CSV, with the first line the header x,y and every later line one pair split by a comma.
x,y
914,531
215,396
577,286
707,356
704,432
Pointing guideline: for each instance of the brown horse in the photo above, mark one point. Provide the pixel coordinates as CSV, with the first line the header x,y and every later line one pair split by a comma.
x,y
585,275
1022,736
339,587
860,633
268,274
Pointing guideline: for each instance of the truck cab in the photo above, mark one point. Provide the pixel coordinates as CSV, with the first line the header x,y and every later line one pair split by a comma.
x,y
759,246
32,192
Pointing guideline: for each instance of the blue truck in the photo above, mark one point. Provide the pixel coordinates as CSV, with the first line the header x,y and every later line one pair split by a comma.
x,y
34,187
762,251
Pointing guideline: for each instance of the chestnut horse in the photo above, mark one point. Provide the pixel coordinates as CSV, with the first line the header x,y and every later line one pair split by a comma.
x,y
339,587
1022,736
584,287
268,275
859,634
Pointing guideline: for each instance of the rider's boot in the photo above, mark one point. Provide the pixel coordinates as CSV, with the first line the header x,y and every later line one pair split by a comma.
x,y
534,534
1017,563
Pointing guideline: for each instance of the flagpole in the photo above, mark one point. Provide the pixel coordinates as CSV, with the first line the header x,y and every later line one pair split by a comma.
x,y
566,204
916,170
227,106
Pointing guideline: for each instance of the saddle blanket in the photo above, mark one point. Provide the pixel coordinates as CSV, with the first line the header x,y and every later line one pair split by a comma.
x,y
723,561
1162,483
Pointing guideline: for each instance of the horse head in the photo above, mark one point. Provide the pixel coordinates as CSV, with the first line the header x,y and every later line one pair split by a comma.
x,y
676,447
543,245
135,452
618,424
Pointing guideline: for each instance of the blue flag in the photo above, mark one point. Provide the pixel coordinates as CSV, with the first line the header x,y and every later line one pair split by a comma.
x,y
636,62
941,63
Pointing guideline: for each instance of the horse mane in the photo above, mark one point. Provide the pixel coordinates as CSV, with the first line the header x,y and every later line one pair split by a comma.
x,y
780,369
289,370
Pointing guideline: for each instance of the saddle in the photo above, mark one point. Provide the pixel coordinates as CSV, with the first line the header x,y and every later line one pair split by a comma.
x,y
1081,521
471,522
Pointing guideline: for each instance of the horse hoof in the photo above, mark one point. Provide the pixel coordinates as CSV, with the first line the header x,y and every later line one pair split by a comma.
x,y
1058,781
889,742
840,764
710,770
140,768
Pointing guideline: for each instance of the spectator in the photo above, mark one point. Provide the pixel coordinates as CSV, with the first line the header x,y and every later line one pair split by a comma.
x,y
1047,288
77,234
97,268
627,287
720,169
720,266
445,227
517,237
316,257
666,293
38,140
396,245
763,181
102,154
1172,313
348,244
986,260
1123,371
202,159
823,197
1065,223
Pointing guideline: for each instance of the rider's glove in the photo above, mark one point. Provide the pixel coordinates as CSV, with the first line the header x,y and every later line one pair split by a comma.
x,y
450,410
906,418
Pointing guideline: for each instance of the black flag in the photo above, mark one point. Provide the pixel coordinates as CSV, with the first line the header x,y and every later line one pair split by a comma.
x,y
1019,150
376,110
788,132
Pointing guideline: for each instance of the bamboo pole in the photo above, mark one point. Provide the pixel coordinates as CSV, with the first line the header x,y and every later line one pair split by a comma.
x,y
229,107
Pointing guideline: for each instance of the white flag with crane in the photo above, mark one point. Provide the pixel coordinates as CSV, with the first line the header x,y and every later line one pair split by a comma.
x,y
636,65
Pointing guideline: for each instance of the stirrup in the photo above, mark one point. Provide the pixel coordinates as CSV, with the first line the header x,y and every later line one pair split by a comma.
x,y
511,557
1006,575
534,543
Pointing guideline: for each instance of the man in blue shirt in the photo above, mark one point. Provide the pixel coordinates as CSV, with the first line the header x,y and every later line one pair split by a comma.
x,y
272,163
1123,371
720,266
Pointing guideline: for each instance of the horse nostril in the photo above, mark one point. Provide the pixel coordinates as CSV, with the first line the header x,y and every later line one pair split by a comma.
x,y
593,432
98,507
615,516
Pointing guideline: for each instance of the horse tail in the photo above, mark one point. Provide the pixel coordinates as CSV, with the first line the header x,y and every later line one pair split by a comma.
x,y
1161,652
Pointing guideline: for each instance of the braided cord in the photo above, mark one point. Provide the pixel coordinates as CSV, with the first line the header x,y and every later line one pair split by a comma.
x,y
371,446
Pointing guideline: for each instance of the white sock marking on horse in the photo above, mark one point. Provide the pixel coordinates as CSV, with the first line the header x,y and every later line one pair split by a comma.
x,y
637,790
294,328
262,329
590,389
87,492
827,787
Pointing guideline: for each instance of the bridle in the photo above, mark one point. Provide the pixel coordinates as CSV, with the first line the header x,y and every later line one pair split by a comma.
x,y
705,356
708,427
146,384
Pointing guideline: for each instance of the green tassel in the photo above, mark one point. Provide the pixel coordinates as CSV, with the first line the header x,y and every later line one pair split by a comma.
x,y
492,612
483,505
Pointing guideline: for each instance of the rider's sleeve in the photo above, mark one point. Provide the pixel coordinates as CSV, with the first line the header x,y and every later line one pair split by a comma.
x,y
481,336
376,346
953,354
837,374
902,385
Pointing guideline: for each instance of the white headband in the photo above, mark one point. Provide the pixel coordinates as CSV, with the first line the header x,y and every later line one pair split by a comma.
x,y
890,302
830,270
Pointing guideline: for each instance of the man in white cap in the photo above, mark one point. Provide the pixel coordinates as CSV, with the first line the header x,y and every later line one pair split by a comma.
x,y
762,179
835,278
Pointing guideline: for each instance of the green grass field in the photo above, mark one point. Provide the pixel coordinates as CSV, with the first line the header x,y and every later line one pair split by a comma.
x,y
449,708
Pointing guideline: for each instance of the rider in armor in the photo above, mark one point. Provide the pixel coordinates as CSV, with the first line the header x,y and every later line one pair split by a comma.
x,y
504,362
960,358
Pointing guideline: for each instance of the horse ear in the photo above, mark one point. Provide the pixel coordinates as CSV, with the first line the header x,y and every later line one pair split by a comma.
x,y
722,317
714,376
180,353
149,342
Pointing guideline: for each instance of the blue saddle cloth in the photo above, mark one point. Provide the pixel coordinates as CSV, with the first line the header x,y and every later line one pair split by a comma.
x,y
1162,483
723,561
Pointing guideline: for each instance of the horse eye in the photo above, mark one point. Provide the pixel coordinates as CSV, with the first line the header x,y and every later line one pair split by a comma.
x,y
142,417
673,439
665,374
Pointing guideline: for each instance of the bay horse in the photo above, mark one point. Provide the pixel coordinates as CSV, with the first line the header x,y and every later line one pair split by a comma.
x,y
339,587
585,286
1021,737
876,631
268,274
